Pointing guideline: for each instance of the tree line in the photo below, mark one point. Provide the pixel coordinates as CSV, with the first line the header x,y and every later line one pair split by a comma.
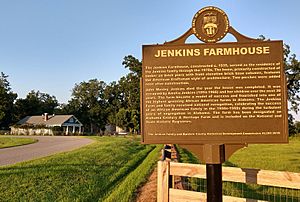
x,y
94,102
97,104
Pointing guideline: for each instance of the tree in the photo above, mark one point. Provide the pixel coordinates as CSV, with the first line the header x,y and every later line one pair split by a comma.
x,y
35,103
292,72
7,98
130,88
123,97
128,119
123,118
134,121
114,99
133,64
89,105
292,126
297,127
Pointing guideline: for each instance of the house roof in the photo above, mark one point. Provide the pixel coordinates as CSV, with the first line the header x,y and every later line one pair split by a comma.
x,y
54,120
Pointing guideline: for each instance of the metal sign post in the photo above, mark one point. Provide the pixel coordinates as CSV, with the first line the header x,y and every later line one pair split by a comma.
x,y
213,98
214,182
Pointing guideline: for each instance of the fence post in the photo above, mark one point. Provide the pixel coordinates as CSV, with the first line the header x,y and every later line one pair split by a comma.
x,y
163,172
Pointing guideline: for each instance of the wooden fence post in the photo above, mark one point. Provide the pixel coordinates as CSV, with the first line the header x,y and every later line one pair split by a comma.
x,y
163,172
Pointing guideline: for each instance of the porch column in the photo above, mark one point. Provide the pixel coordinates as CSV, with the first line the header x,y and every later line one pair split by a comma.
x,y
67,131
73,129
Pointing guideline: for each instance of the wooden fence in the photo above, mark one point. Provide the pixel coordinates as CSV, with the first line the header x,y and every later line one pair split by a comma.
x,y
231,174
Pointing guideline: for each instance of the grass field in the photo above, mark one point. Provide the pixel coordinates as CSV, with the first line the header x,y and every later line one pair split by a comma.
x,y
108,169
280,157
14,141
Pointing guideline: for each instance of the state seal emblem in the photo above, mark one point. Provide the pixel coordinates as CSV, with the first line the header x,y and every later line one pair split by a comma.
x,y
210,24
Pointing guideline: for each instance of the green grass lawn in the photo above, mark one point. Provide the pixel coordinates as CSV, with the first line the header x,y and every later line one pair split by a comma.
x,y
14,141
92,173
281,157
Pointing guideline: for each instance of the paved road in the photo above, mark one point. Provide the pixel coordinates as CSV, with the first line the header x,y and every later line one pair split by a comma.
x,y
46,145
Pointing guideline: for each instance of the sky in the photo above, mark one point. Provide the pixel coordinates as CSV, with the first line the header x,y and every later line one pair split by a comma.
x,y
49,45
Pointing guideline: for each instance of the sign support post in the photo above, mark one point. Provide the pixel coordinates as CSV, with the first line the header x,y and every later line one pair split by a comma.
x,y
215,155
214,182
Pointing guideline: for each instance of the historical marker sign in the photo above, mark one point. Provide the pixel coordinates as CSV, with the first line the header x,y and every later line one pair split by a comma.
x,y
229,93
214,93
213,98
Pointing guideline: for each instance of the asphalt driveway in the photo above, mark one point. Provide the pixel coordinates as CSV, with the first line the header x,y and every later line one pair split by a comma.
x,y
46,145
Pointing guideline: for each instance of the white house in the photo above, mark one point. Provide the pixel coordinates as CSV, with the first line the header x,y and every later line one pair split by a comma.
x,y
45,125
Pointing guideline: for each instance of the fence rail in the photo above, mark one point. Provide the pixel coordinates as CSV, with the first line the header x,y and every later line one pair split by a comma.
x,y
252,176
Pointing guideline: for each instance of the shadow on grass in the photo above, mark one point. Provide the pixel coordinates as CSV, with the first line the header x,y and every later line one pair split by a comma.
x,y
186,156
229,164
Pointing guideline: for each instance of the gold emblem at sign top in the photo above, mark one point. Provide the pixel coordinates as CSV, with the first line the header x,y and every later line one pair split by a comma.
x,y
210,24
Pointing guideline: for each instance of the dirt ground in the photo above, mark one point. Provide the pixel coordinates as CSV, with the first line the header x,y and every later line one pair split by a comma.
x,y
147,193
